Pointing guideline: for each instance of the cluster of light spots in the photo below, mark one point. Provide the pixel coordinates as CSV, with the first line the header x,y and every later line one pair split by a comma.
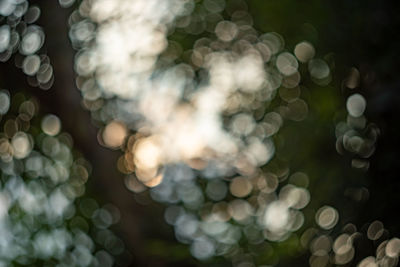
x,y
15,142
20,33
220,222
198,132
42,216
199,125
342,249
356,135
282,216
186,116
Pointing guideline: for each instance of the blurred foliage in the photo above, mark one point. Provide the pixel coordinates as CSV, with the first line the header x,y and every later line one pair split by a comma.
x,y
45,219
358,34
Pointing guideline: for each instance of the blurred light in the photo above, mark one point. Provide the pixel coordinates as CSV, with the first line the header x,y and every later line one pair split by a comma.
x,y
7,7
292,82
240,187
88,206
287,64
214,6
32,40
274,41
326,217
40,184
31,65
114,134
4,102
268,183
296,198
375,230
32,14
393,248
201,122
304,51
226,31
147,153
342,244
321,245
44,74
353,80
51,125
298,110
4,206
356,105
318,69
22,145
368,262
202,248
216,190
104,259
276,216
344,258
134,185
239,209
299,179
172,213
66,3
27,39
4,37
154,181
243,124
